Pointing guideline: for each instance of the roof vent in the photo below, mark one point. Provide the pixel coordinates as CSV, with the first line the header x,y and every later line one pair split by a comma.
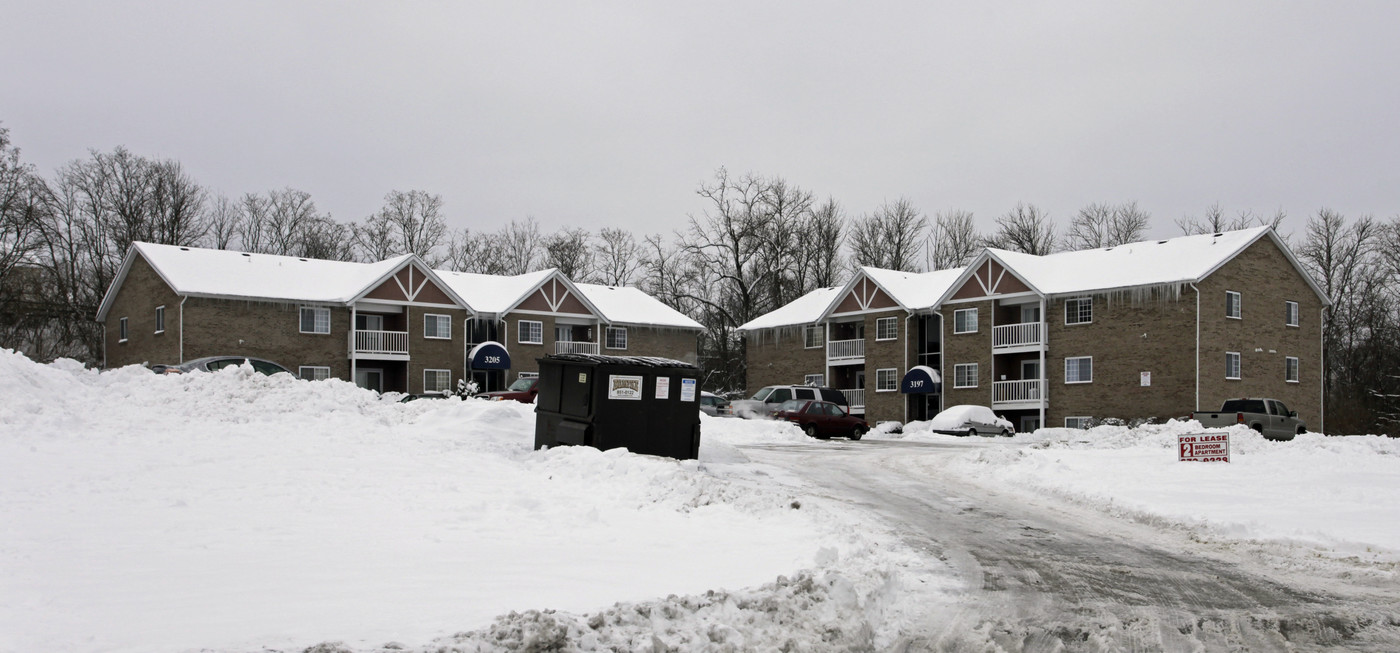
x,y
184,249
302,260
1108,249
247,254
1161,242
1219,234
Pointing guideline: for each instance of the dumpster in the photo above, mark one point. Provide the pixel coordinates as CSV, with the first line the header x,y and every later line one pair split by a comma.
x,y
648,405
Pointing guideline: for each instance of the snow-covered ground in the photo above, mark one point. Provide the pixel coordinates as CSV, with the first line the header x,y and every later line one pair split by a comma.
x,y
237,512
1338,494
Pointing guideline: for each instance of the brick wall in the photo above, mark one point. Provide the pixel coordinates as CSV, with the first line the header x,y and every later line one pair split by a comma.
x,y
523,357
777,357
434,353
1156,334
1265,280
676,344
959,348
884,354
218,327
137,300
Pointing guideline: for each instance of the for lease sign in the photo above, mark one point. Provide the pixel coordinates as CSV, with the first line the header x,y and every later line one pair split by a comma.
x,y
1204,447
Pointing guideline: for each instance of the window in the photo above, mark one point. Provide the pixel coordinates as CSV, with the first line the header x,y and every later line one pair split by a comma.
x,y
1232,304
530,332
886,380
804,393
122,330
1290,369
1079,311
1290,313
1079,369
437,380
1232,365
814,379
965,320
887,328
313,373
315,320
437,327
160,319
965,375
615,338
1078,422
813,336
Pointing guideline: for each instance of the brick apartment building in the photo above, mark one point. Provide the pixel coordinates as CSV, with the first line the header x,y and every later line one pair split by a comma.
x,y
1145,330
395,325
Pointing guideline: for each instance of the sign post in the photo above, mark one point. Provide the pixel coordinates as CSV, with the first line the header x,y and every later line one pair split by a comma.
x,y
1203,447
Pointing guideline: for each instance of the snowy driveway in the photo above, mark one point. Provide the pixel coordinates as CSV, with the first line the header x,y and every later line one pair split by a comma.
x,y
1041,573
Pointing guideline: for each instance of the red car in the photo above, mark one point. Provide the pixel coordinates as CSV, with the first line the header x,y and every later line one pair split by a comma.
x,y
822,419
523,391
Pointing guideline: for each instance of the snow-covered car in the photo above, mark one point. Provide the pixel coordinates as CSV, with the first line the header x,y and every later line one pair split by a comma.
x,y
971,420
215,363
714,405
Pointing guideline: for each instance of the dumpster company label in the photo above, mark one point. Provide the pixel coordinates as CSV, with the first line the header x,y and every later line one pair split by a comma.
x,y
663,387
624,387
1204,447
687,389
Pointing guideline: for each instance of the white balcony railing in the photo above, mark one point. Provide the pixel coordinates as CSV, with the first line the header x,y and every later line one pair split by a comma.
x,y
855,397
845,349
1016,335
1018,391
381,342
570,347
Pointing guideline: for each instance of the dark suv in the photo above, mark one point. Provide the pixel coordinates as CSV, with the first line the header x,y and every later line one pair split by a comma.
x,y
766,401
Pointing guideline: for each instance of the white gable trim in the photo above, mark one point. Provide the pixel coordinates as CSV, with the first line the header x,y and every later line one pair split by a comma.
x,y
414,286
988,284
863,302
557,301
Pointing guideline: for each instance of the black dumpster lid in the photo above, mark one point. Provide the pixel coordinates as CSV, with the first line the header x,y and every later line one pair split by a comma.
x,y
599,359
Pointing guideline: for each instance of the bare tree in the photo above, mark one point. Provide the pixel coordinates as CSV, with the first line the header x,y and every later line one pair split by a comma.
x,y
374,239
953,240
889,238
1025,228
617,258
176,206
225,222
1214,221
820,238
1106,225
571,251
20,202
519,247
413,223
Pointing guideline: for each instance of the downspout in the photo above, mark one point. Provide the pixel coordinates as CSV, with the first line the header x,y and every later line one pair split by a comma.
x,y
1321,373
1044,373
182,327
104,345
908,317
353,361
1198,347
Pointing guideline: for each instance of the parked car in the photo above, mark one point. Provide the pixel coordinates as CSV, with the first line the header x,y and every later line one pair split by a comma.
x,y
1269,417
425,395
768,398
714,405
971,420
523,390
822,419
214,363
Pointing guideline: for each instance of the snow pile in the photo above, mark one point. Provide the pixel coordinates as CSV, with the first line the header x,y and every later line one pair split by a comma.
x,y
239,511
1338,493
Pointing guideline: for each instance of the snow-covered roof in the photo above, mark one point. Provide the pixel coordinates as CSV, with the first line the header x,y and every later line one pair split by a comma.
x,y
490,293
806,309
914,290
1155,262
226,273
627,305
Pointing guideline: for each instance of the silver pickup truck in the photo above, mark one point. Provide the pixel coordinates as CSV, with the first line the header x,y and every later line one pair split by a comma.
x,y
1269,417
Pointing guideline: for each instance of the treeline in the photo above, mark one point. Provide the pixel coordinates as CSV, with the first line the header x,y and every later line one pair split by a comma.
x,y
756,243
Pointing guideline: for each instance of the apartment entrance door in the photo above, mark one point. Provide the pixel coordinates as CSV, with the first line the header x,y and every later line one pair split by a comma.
x,y
370,378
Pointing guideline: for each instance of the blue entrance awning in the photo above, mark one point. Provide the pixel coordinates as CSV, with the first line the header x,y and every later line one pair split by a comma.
x,y
489,356
921,379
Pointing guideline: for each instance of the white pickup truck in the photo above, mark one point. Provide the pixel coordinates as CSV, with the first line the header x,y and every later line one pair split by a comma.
x,y
1269,417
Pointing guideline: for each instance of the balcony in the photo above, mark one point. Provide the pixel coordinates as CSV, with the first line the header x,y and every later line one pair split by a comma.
x,y
385,345
851,351
1011,336
856,398
1018,394
572,347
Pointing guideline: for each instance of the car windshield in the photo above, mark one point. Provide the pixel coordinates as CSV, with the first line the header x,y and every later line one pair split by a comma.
x,y
762,393
521,385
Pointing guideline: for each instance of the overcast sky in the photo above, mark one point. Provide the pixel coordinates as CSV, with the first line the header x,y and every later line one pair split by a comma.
x,y
606,114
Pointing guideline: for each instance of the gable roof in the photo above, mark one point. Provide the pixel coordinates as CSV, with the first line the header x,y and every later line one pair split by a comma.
x,y
200,272
914,290
490,293
628,305
807,309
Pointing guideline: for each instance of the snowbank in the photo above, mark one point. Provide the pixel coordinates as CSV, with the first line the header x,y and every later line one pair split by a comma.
x,y
1338,493
238,511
